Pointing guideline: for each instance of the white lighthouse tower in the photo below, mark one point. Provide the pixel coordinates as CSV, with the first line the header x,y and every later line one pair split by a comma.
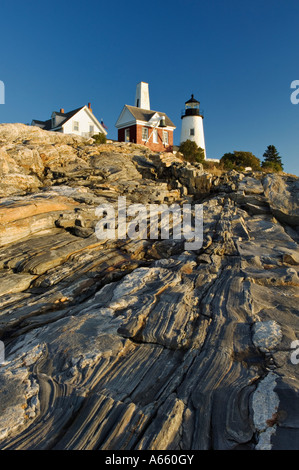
x,y
192,124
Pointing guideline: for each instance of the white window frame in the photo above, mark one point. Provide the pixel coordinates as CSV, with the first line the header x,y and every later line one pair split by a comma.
x,y
91,129
76,126
155,136
127,135
144,134
165,137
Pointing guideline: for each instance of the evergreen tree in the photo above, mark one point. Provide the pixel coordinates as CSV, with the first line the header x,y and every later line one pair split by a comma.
x,y
272,159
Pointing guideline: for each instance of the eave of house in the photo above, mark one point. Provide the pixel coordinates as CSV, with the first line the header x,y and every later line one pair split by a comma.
x,y
94,119
131,120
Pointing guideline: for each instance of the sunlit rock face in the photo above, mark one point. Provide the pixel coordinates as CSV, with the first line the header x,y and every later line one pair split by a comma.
x,y
138,343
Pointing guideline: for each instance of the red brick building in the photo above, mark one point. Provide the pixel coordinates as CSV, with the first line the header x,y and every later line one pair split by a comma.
x,y
140,125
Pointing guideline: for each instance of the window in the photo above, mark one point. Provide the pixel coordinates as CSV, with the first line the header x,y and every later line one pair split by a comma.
x,y
155,136
76,126
192,132
127,135
165,137
91,130
144,133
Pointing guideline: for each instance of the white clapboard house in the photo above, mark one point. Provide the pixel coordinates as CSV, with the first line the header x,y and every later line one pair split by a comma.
x,y
80,121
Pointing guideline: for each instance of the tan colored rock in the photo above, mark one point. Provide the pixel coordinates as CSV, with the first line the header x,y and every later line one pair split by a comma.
x,y
12,283
16,211
36,215
26,158
22,134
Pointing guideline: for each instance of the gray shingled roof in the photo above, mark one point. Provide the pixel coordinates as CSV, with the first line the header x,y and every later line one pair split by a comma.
x,y
47,125
146,114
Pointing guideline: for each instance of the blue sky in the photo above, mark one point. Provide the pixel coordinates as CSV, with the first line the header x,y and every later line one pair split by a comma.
x,y
238,58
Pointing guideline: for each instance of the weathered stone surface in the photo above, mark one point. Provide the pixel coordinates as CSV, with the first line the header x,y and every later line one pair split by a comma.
x,y
137,343
282,195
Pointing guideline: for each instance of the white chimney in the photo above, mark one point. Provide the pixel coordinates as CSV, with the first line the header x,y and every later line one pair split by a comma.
x,y
142,96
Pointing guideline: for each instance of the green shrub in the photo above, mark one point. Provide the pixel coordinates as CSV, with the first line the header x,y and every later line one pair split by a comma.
x,y
210,165
239,160
99,138
191,151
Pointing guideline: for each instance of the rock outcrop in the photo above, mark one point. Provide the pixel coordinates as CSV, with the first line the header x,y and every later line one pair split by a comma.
x,y
137,343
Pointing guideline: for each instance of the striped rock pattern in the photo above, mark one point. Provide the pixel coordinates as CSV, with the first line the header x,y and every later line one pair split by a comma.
x,y
137,343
